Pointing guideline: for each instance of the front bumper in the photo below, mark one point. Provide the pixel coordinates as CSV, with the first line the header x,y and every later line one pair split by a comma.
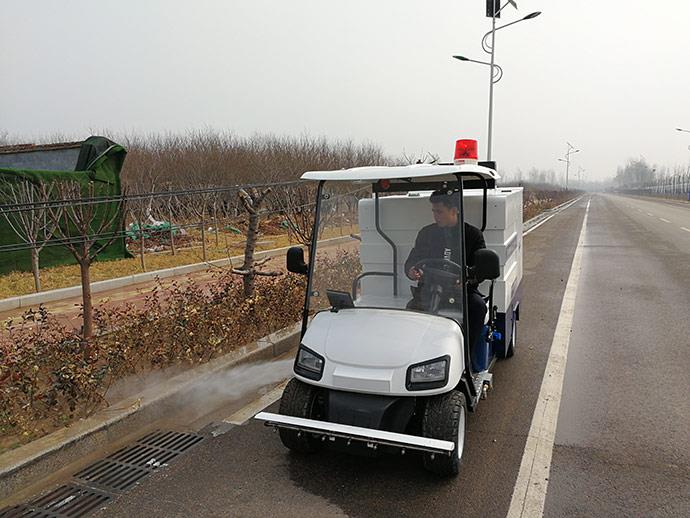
x,y
372,438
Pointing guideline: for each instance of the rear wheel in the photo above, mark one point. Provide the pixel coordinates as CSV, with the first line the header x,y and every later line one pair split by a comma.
x,y
299,400
510,351
445,418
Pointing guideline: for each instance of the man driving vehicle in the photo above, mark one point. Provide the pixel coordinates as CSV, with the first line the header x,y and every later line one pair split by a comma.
x,y
440,240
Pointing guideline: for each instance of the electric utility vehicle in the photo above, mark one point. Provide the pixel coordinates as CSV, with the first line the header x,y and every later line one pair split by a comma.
x,y
372,375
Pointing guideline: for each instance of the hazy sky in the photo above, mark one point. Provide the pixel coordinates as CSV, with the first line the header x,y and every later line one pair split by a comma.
x,y
613,78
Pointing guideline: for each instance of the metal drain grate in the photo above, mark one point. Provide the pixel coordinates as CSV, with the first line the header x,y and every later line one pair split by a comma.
x,y
124,468
111,475
107,477
24,511
148,457
175,441
66,501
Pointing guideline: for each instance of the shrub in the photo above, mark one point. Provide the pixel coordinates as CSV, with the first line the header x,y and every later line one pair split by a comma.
x,y
49,376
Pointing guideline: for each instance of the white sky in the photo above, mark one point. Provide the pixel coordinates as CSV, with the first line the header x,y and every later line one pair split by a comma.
x,y
613,78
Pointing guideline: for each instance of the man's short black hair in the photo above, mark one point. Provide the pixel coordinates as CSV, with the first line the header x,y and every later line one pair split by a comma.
x,y
448,198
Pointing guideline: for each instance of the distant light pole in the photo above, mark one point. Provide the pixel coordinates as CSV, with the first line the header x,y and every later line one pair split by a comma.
x,y
571,150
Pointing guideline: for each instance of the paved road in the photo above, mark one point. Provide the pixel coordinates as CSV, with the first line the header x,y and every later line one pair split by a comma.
x,y
622,436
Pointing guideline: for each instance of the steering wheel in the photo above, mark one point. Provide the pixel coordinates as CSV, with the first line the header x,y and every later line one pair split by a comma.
x,y
438,281
436,268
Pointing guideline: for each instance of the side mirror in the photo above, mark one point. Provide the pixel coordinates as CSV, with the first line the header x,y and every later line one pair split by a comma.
x,y
295,260
486,264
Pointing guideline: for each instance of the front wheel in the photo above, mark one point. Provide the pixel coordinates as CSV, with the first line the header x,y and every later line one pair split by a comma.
x,y
299,400
445,418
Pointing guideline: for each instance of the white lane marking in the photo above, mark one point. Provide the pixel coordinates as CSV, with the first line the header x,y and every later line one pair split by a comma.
x,y
686,229
246,413
532,482
535,227
664,220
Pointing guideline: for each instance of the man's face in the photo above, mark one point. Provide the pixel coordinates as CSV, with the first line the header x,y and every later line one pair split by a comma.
x,y
444,216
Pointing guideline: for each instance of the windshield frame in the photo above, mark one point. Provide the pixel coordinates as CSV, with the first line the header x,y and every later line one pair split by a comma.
x,y
377,187
380,187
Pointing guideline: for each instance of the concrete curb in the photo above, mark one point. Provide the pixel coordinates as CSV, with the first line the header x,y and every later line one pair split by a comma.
x,y
34,299
27,464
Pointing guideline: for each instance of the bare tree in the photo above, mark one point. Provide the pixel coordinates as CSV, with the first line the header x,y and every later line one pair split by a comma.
x,y
252,201
86,227
297,203
31,223
169,206
139,209
197,208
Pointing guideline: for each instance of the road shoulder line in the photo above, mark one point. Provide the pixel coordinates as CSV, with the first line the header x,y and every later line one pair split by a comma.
x,y
529,493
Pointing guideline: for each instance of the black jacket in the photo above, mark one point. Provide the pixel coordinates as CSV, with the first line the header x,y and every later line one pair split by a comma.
x,y
434,242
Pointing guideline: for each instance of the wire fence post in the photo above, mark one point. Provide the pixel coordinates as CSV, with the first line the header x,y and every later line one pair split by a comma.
x,y
203,234
172,226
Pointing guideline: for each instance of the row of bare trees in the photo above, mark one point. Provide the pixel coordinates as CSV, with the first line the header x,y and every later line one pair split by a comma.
x,y
210,157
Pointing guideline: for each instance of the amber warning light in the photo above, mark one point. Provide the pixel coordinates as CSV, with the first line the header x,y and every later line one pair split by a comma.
x,y
465,151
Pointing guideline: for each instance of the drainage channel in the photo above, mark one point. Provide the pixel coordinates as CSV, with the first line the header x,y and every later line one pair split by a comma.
x,y
100,483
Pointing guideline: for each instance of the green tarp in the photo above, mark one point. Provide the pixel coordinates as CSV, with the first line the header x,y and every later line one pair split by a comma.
x,y
100,161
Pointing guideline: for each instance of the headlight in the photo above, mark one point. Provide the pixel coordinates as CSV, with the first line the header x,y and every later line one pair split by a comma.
x,y
428,375
308,363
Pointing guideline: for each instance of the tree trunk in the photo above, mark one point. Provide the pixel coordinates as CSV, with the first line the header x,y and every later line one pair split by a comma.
x,y
35,269
252,233
84,268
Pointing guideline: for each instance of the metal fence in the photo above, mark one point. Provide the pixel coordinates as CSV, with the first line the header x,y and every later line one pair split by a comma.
x,y
156,221
673,186
207,221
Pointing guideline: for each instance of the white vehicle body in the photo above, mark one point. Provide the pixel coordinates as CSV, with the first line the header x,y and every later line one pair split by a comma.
x,y
370,350
369,362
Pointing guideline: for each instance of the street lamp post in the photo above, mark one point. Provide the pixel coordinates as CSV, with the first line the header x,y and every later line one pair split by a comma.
x,y
495,72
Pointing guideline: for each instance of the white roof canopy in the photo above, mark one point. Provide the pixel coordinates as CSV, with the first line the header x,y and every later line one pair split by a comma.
x,y
416,172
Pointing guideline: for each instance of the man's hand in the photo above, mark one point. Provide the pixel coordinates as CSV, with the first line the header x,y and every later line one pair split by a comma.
x,y
414,273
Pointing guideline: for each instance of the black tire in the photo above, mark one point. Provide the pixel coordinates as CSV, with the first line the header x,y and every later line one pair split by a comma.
x,y
510,351
445,418
299,400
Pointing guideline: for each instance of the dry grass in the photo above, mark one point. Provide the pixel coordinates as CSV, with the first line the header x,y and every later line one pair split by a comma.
x,y
535,202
